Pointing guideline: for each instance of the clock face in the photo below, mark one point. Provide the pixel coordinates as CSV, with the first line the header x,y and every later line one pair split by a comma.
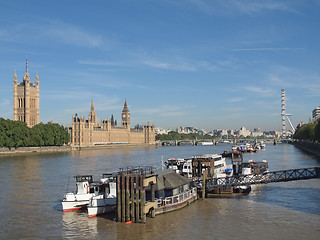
x,y
124,115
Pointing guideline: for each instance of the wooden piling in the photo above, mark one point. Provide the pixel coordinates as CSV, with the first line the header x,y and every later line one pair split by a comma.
x,y
131,202
137,200
119,197
204,178
132,212
123,199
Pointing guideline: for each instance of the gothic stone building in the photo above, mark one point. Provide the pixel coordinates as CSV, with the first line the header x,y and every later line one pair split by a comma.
x,y
26,100
88,132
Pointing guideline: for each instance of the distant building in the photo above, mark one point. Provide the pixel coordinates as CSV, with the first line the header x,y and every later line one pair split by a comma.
x,y
257,132
187,130
89,132
222,132
243,132
271,134
26,100
231,132
315,114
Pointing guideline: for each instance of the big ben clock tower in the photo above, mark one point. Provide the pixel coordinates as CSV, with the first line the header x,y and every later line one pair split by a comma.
x,y
125,116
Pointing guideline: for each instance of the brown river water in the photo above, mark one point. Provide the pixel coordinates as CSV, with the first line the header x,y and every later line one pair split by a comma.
x,y
34,184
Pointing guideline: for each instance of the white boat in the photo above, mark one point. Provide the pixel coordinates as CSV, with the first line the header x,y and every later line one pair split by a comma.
x,y
84,192
106,200
180,166
206,143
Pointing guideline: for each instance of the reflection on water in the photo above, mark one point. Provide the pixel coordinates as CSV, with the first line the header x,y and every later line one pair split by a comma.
x,y
35,184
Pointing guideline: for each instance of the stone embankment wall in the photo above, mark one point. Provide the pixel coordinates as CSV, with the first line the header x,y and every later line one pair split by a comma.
x,y
27,150
23,150
311,147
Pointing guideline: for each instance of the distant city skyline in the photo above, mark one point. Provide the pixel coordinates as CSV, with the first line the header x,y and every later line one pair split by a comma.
x,y
207,64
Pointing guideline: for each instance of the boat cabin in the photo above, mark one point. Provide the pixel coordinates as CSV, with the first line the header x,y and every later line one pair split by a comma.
x,y
168,183
180,166
256,167
208,163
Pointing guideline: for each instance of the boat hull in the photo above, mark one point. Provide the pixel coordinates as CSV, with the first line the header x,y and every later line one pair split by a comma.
x,y
72,201
99,210
230,191
99,205
68,206
176,206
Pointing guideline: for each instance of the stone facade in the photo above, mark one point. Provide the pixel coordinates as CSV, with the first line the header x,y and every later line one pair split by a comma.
x,y
89,132
26,100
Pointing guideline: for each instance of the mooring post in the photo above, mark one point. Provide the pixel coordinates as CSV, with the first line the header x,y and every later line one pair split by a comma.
x,y
204,178
127,198
119,197
132,198
123,198
142,201
137,202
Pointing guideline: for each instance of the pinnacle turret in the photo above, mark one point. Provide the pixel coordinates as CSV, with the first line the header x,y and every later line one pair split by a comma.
x,y
15,78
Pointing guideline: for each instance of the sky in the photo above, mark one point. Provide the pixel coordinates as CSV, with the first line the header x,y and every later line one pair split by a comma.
x,y
210,64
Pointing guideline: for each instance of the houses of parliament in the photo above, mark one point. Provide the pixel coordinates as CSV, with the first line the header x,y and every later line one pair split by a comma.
x,y
83,132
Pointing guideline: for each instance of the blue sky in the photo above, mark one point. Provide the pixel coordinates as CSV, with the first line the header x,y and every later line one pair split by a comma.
x,y
204,63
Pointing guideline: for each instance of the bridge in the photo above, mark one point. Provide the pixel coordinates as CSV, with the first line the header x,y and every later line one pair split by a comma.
x,y
215,140
268,177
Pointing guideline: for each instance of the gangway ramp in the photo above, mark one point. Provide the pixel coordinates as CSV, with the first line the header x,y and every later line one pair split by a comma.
x,y
268,177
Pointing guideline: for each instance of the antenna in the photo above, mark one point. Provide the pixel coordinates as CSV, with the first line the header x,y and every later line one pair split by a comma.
x,y
26,64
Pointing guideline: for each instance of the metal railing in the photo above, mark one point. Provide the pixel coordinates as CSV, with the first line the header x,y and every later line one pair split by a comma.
x,y
144,170
181,197
268,177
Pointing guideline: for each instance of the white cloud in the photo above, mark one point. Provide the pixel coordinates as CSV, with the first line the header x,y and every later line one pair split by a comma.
x,y
45,31
230,7
262,91
234,100
169,66
165,110
266,49
101,63
70,34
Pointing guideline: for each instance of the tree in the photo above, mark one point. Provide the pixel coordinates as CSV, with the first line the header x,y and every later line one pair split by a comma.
x,y
317,131
18,134
306,132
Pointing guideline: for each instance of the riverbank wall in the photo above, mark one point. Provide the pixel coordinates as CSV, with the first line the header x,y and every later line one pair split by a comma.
x,y
310,147
48,149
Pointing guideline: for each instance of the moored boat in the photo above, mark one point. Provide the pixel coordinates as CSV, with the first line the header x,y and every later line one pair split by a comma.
x,y
233,153
106,200
171,192
85,189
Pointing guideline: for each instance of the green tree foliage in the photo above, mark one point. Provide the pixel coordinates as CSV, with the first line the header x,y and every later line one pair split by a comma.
x,y
310,131
317,131
173,135
16,134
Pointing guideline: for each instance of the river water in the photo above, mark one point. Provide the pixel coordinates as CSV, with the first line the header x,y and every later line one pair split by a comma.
x,y
33,185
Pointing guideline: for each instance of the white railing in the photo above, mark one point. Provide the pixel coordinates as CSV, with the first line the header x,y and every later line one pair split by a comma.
x,y
181,197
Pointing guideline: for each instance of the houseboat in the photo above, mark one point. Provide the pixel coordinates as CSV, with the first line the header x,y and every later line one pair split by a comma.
x,y
171,192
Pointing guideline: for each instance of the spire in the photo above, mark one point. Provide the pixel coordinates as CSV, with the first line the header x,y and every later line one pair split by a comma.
x,y
26,76
125,106
92,106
